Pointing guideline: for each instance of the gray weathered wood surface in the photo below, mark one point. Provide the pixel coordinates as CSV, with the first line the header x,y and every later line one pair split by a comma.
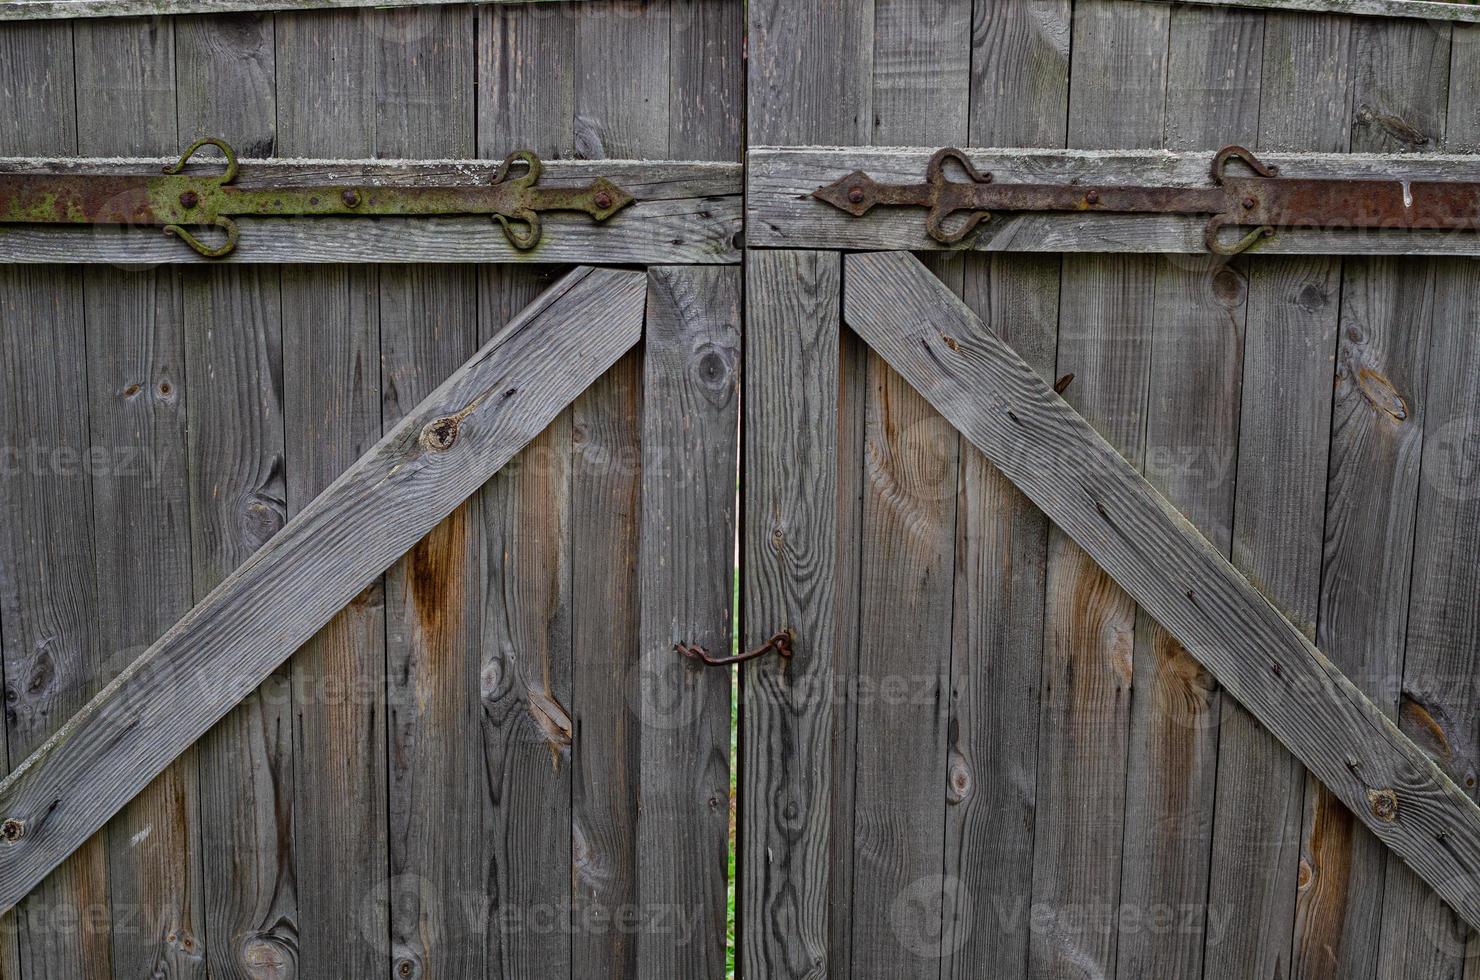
x,y
1437,10
685,213
463,432
780,212
1349,743
50,9
691,408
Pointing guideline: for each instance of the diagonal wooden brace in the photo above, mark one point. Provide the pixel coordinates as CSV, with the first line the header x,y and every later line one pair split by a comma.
x,y
1061,463
442,452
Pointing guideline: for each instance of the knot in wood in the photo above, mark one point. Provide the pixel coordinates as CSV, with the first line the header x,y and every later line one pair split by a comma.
x,y
12,830
440,434
1384,804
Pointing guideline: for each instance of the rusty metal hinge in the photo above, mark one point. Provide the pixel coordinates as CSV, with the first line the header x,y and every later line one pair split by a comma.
x,y
780,642
1260,203
177,202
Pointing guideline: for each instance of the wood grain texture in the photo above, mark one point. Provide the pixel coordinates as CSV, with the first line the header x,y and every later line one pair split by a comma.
x,y
1000,404
1398,101
686,213
1437,10
1279,509
1421,937
488,410
51,657
1195,375
781,213
790,551
225,71
51,9
691,409
1020,59
141,522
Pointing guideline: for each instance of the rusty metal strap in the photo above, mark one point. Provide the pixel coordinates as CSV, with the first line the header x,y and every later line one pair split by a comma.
x,y
1256,205
177,202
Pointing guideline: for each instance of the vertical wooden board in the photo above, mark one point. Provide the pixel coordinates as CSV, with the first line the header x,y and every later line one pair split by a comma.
x,y
1436,707
1020,72
810,77
1372,492
1212,99
136,363
572,624
622,80
691,401
906,548
1398,102
606,449
225,69
997,659
1104,341
1283,433
54,658
706,99
238,500
439,866
790,550
323,69
1020,88
46,606
1117,91
331,358
809,80
1118,77
1462,124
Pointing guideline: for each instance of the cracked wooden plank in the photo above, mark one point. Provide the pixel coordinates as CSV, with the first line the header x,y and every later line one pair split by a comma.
x,y
1182,580
443,451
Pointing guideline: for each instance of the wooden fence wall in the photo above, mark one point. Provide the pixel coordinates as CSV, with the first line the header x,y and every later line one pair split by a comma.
x,y
1021,773
387,803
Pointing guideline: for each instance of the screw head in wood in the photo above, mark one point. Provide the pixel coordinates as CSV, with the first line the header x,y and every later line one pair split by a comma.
x,y
189,199
855,195
351,198
1093,197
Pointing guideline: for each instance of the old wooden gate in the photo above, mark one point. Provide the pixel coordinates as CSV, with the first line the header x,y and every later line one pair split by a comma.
x,y
1115,593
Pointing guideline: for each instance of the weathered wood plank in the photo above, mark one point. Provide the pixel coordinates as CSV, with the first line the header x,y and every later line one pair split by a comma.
x,y
238,499
691,417
1279,510
141,519
685,213
1398,102
1437,701
1020,90
790,553
1116,98
781,213
441,453
226,71
1195,373
51,657
1437,10
1176,575
49,9
706,93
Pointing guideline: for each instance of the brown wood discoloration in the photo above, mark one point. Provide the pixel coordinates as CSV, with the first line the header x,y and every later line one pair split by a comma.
x,y
358,527
1346,740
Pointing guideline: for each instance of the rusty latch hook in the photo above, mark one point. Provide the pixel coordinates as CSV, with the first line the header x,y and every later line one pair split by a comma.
x,y
233,233
780,642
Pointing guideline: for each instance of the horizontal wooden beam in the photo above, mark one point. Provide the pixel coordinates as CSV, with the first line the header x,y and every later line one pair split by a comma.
x,y
443,451
781,213
1053,455
687,213
1424,9
66,9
